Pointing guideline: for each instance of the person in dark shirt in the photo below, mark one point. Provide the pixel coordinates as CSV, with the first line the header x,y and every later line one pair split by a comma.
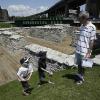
x,y
42,68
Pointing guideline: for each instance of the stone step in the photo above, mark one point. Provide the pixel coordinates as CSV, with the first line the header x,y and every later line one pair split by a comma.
x,y
52,54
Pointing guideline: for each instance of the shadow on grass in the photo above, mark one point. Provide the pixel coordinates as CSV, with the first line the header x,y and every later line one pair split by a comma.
x,y
42,82
73,77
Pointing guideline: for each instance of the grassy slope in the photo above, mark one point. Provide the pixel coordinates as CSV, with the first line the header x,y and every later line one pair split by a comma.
x,y
64,89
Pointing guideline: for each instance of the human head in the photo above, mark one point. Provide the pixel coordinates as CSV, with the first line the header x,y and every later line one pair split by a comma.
x,y
24,61
42,54
84,17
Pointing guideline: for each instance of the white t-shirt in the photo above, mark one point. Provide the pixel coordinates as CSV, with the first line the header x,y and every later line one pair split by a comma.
x,y
30,68
87,33
23,72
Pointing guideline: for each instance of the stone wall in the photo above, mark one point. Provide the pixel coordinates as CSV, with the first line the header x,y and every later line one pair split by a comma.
x,y
12,42
55,60
54,33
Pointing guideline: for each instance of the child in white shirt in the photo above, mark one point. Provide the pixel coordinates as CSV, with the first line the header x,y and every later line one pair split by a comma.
x,y
24,73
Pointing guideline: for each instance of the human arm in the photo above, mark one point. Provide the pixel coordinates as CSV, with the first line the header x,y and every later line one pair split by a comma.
x,y
47,71
29,76
91,43
20,78
30,71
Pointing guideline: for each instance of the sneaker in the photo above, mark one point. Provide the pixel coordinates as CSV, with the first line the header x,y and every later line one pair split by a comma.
x,y
80,77
79,82
29,90
39,86
25,94
50,82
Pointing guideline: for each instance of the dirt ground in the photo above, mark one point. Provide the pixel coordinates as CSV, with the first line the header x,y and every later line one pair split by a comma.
x,y
8,66
62,47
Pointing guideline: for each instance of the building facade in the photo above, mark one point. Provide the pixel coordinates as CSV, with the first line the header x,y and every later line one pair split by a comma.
x,y
4,16
62,8
93,7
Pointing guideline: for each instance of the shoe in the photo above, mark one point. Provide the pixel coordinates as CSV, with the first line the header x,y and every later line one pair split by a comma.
x,y
25,94
80,77
39,86
50,82
29,90
79,82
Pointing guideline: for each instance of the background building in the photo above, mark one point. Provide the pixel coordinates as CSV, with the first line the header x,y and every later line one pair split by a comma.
x,y
4,16
63,12
93,6
63,8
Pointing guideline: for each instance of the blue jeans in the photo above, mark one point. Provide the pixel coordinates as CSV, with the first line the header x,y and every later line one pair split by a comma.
x,y
78,60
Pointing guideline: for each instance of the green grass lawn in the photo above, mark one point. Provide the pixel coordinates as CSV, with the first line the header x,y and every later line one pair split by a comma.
x,y
64,88
5,25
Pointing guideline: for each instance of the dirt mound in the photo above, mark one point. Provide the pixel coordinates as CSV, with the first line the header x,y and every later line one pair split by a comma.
x,y
8,66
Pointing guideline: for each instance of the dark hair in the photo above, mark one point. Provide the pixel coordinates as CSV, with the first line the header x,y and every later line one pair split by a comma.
x,y
25,59
22,61
84,15
42,54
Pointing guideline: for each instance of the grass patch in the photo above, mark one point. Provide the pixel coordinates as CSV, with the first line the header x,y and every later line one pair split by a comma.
x,y
5,25
64,88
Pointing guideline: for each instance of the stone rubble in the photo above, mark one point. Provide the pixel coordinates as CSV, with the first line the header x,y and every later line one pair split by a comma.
x,y
16,37
6,33
55,33
12,41
96,60
56,60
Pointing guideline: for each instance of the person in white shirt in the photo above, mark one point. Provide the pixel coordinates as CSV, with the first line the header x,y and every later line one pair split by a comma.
x,y
84,43
24,73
